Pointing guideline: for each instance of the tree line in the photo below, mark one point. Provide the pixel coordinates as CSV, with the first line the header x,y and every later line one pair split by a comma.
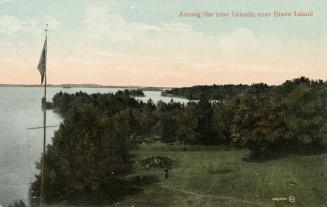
x,y
212,92
90,151
266,119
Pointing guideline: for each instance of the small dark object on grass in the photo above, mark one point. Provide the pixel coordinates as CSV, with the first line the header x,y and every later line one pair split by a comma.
x,y
166,172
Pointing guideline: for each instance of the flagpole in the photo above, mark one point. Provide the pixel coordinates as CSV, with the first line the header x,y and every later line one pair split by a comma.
x,y
44,121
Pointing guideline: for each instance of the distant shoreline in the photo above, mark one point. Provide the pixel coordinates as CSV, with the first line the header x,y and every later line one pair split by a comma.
x,y
148,88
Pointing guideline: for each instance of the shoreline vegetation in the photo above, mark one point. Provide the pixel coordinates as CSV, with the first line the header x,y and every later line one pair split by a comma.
x,y
112,149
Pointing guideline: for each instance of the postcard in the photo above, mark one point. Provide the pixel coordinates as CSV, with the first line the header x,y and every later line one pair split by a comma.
x,y
163,103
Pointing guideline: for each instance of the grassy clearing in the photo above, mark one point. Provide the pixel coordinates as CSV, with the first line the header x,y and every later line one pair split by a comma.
x,y
218,177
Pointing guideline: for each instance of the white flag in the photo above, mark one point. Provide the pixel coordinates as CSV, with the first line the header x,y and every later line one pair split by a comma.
x,y
42,66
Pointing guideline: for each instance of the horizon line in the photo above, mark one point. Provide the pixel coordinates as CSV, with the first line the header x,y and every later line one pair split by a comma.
x,y
140,86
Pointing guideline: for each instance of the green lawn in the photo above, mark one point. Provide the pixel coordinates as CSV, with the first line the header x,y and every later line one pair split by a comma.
x,y
218,177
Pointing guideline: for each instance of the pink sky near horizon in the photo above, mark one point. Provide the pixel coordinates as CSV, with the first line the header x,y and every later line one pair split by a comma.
x,y
240,63
149,73
67,65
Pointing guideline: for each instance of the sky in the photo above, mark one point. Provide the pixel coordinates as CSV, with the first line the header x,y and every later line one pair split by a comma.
x,y
147,42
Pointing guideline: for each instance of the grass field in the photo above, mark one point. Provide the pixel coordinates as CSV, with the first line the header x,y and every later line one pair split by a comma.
x,y
218,177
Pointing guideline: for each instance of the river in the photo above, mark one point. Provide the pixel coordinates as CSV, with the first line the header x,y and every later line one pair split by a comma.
x,y
20,148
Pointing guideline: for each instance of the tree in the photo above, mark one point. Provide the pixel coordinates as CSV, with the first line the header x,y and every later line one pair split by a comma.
x,y
87,154
204,130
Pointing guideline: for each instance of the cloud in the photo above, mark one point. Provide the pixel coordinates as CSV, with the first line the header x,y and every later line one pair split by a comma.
x,y
241,40
112,30
110,34
176,39
180,50
101,23
10,25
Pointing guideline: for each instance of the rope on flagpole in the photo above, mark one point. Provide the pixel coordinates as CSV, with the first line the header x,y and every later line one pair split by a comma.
x,y
52,126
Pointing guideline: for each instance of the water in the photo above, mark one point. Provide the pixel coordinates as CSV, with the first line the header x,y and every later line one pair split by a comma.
x,y
20,148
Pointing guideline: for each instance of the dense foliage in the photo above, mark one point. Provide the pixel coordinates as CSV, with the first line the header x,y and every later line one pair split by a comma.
x,y
90,150
134,92
289,117
213,92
